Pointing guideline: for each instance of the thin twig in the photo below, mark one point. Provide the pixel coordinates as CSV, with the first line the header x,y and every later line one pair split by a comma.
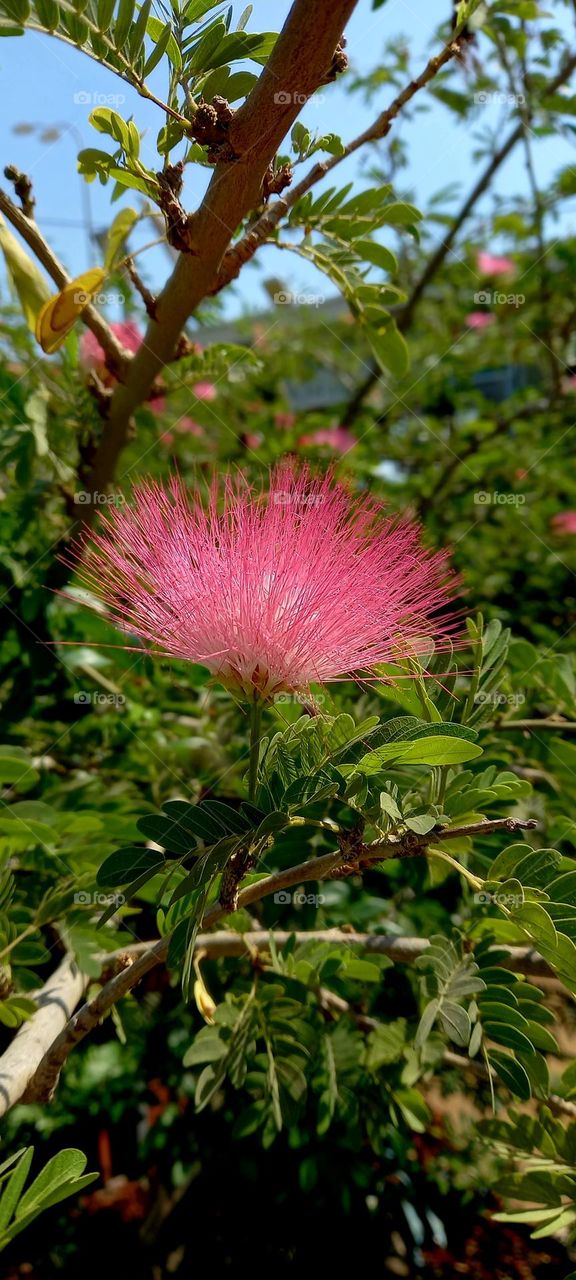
x,y
239,254
148,298
406,313
531,726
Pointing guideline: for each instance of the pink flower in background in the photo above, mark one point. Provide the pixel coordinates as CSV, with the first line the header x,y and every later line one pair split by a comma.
x,y
479,320
490,265
91,353
340,439
204,391
307,582
92,358
564,522
284,421
187,427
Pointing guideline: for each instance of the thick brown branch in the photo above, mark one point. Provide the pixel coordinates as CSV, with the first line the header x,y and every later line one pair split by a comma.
x,y
116,357
298,63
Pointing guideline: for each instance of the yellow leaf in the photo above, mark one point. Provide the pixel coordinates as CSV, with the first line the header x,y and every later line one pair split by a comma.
x,y
60,313
29,283
204,1002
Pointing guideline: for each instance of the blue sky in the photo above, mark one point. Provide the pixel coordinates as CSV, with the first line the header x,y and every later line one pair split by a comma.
x,y
41,77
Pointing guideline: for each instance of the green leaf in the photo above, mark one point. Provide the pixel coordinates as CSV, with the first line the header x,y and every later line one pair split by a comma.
x,y
107,121
509,1036
16,769
385,1044
28,281
13,1188
104,14
535,919
158,53
401,214
512,1074
126,864
390,349
138,30
126,179
121,27
455,1022
426,1023
66,1166
378,254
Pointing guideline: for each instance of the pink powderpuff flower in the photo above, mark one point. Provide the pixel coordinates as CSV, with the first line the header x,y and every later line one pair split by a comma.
x,y
564,522
270,592
340,439
204,391
491,265
479,320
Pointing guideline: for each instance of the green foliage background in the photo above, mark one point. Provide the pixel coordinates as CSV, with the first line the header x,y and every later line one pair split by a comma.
x,y
323,1097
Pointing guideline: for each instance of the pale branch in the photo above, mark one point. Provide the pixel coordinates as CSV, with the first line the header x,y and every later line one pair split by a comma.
x,y
298,63
332,1002
263,229
136,966
116,357
56,1003
531,726
456,1060
226,944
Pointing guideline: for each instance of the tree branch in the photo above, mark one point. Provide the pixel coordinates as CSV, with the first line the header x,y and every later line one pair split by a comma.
x,y
225,943
135,966
559,1105
56,1003
528,726
116,357
405,313
242,252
